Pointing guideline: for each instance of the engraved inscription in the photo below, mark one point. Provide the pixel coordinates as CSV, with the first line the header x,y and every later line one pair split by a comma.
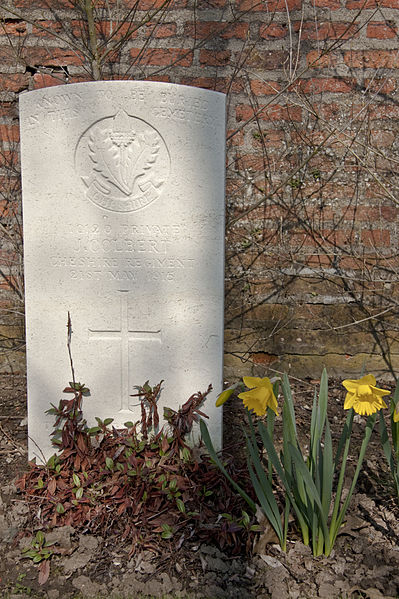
x,y
179,108
126,252
125,335
123,163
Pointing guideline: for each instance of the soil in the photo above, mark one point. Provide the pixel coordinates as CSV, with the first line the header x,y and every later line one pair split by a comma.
x,y
364,562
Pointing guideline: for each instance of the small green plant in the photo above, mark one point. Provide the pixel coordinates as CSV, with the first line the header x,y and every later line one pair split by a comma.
x,y
40,552
19,588
242,522
39,549
307,478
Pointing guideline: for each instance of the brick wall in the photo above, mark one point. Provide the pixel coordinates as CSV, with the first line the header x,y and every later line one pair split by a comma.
x,y
312,185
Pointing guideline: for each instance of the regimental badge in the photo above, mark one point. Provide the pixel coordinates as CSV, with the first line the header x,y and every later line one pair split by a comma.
x,y
123,163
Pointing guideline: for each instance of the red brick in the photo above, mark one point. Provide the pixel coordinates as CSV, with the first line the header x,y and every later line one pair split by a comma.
x,y
340,238
81,78
274,112
384,111
41,80
161,31
376,238
268,5
264,88
373,214
273,31
105,29
47,4
269,139
261,59
386,85
13,27
326,84
382,139
220,84
373,59
9,158
48,28
364,4
14,82
214,58
382,30
327,31
330,4
237,139
213,4
8,109
7,56
52,57
162,57
154,4
315,59
252,162
9,133
7,285
211,29
263,358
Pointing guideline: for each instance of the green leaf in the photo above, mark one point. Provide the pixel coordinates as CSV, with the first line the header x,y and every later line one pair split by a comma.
x,y
311,490
129,424
40,537
29,552
284,476
385,442
167,531
60,508
289,409
79,493
263,490
51,462
94,430
245,518
180,505
327,471
76,480
108,421
40,483
109,463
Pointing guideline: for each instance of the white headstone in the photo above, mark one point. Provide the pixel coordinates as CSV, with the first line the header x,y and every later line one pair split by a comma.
x,y
123,209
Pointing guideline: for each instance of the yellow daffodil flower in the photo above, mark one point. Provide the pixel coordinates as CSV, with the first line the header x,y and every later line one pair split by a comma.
x,y
363,396
224,396
396,413
260,396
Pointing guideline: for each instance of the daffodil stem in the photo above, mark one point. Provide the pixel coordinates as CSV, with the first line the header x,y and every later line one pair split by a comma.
x,y
270,428
337,524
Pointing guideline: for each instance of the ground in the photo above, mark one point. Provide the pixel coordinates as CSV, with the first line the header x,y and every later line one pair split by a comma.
x,y
364,562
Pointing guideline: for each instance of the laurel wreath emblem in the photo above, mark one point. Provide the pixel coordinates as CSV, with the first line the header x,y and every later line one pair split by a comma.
x,y
120,155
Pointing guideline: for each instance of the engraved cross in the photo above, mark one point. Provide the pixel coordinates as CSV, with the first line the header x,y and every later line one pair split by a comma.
x,y
125,335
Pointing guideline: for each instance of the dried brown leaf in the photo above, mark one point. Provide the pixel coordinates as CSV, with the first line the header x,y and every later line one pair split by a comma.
x,y
44,572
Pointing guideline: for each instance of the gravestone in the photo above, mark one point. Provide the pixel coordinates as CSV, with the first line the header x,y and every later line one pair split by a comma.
x,y
123,211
